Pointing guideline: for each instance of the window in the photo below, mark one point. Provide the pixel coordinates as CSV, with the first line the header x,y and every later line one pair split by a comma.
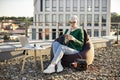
x,y
89,20
47,17
82,18
103,33
54,20
33,34
60,32
53,33
47,6
104,19
89,5
67,19
96,20
96,33
60,20
68,5
104,5
97,5
53,5
40,34
47,32
75,5
41,5
82,5
61,4
89,32
40,20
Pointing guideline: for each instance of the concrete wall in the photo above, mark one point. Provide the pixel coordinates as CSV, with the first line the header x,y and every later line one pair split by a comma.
x,y
98,43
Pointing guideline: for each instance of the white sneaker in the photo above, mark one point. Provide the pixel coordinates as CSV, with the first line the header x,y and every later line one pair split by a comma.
x,y
59,67
50,69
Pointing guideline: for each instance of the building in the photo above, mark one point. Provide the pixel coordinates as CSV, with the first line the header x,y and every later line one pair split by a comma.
x,y
51,17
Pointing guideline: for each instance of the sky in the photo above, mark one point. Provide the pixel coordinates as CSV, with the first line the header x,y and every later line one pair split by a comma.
x,y
17,8
115,6
20,8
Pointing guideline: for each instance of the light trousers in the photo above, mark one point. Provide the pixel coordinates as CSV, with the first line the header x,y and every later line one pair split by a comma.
x,y
59,50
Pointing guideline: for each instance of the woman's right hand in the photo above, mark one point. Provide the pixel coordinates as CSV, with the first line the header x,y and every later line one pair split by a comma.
x,y
69,37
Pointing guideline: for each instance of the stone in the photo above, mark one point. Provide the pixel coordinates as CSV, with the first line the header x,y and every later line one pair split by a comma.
x,y
105,67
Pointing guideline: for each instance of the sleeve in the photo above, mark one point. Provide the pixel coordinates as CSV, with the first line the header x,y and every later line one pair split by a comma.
x,y
80,39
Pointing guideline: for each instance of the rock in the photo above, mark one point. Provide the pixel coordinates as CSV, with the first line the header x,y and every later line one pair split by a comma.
x,y
105,67
24,78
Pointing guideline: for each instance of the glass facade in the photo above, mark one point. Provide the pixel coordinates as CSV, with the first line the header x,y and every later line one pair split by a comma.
x,y
54,23
40,36
96,20
55,14
61,5
82,19
60,32
53,33
33,33
40,20
47,31
82,5
68,6
89,5
96,32
54,5
41,5
104,5
67,17
75,5
89,32
89,19
47,5
96,5
61,20
104,18
103,33
47,18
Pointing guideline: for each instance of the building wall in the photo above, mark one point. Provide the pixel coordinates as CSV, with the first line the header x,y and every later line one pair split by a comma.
x,y
53,15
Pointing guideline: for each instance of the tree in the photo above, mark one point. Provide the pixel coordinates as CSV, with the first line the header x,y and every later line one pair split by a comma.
x,y
6,37
115,17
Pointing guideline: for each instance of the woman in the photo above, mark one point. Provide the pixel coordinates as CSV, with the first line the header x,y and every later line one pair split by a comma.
x,y
72,45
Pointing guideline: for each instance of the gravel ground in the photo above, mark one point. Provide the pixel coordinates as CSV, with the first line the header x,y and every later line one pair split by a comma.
x,y
105,67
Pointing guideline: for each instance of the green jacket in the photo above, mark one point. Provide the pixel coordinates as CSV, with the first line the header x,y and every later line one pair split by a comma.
x,y
78,34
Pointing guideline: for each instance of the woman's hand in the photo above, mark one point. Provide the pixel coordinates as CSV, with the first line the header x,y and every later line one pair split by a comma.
x,y
70,37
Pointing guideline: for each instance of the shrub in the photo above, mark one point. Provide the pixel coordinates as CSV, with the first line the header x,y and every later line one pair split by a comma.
x,y
6,37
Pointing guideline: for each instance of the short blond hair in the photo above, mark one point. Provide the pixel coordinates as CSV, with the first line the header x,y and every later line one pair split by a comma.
x,y
74,18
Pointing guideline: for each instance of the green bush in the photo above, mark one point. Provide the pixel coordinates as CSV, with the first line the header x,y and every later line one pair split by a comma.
x,y
6,37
